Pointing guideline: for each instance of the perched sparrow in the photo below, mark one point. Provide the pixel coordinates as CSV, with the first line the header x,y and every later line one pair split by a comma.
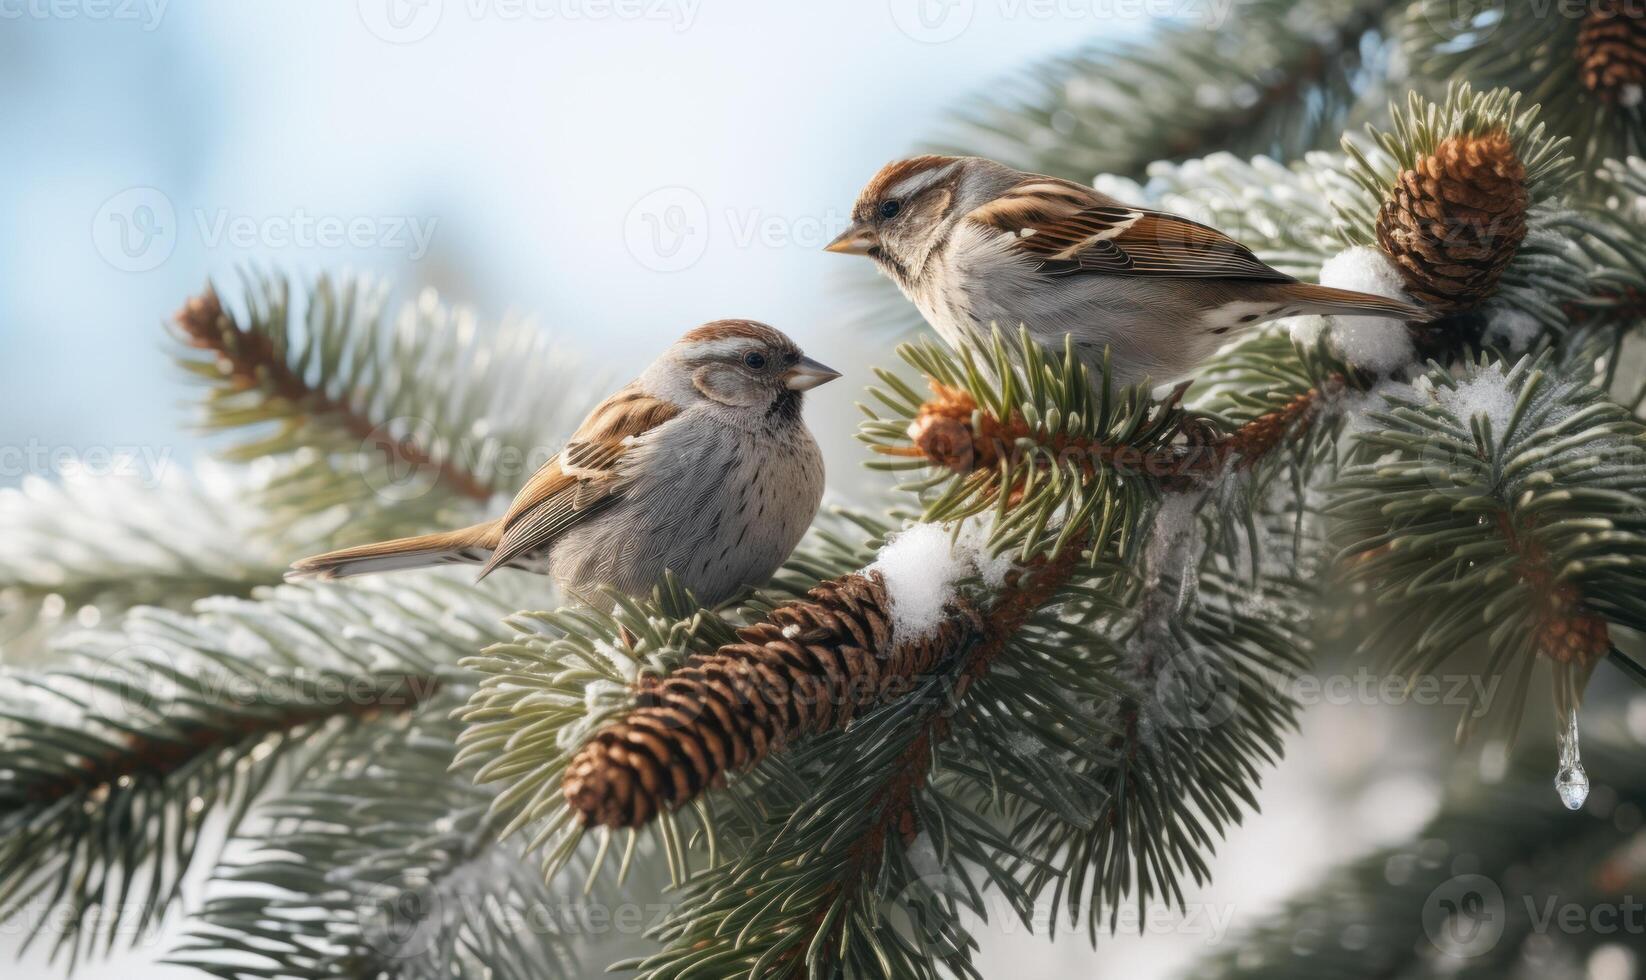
x,y
702,465
974,243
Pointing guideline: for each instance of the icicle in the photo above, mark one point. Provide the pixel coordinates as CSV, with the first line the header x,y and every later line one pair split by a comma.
x,y
1571,781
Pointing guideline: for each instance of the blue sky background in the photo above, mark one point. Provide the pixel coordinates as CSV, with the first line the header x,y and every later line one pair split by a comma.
x,y
524,142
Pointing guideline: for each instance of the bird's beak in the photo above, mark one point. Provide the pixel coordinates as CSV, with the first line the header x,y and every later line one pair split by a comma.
x,y
856,240
807,374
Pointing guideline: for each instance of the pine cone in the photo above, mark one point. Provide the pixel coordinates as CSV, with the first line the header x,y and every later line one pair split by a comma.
x,y
944,440
1611,50
201,319
812,666
1565,632
1456,219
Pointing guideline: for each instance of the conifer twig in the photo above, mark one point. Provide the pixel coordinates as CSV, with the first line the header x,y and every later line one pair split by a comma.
x,y
249,359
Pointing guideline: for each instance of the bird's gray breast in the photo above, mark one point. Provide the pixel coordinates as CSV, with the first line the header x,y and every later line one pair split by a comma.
x,y
720,505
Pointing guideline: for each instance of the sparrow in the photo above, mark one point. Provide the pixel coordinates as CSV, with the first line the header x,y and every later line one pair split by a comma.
x,y
702,465
974,243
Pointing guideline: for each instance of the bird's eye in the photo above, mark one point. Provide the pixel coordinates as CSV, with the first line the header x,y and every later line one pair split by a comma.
x,y
755,360
889,209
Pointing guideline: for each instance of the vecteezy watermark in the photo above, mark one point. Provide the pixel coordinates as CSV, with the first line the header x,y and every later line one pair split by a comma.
x,y
137,229
1195,693
144,464
143,681
922,911
1473,21
1465,916
937,21
410,21
671,228
145,13
668,229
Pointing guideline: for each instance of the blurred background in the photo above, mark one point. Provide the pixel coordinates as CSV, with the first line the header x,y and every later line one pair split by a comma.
x,y
617,171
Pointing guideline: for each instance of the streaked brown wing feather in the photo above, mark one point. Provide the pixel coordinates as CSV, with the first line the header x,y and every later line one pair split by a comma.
x,y
582,478
1072,229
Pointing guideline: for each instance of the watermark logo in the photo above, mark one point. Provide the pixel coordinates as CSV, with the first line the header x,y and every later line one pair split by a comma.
x,y
671,228
1464,916
402,916
932,21
401,21
1195,694
1474,19
668,229
389,460
135,682
146,465
135,230
410,21
147,14
918,912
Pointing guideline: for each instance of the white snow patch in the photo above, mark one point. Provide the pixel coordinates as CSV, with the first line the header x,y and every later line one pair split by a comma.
x,y
1512,329
920,569
1358,406
1373,342
921,566
974,539
1024,744
1306,330
1485,393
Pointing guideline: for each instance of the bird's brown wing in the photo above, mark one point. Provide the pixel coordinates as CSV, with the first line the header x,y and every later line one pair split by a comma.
x,y
582,478
1070,229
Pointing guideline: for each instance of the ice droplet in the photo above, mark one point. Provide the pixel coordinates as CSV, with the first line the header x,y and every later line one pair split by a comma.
x,y
1572,783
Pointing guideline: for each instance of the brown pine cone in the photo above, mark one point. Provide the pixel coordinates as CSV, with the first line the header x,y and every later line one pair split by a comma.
x,y
1455,220
1566,632
811,666
201,319
1611,50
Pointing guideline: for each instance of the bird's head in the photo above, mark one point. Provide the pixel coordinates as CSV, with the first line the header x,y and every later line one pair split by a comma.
x,y
746,365
906,212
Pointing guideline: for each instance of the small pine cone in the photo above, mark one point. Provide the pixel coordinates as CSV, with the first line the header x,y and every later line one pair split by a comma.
x,y
1456,219
811,666
1611,51
202,319
944,440
1566,633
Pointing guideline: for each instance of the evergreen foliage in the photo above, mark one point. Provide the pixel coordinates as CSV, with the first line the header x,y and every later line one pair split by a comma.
x,y
1127,580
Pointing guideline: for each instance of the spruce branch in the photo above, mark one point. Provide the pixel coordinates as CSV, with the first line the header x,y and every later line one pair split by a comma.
x,y
388,866
1270,77
1495,513
1071,435
112,762
1546,54
1474,894
841,848
370,410
949,431
87,548
251,359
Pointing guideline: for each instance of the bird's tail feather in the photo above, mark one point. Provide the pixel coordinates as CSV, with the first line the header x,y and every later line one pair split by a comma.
x,y
469,545
1329,300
